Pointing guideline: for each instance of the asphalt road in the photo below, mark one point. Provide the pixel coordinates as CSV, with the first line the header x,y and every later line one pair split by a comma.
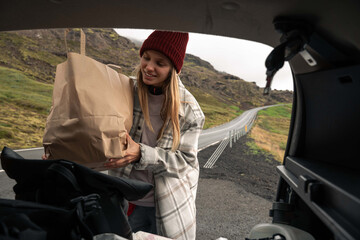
x,y
236,193
214,135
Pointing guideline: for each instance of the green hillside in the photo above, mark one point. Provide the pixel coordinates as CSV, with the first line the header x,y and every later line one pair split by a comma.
x,y
270,132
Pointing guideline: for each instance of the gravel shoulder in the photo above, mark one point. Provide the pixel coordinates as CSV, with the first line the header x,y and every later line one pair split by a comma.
x,y
236,194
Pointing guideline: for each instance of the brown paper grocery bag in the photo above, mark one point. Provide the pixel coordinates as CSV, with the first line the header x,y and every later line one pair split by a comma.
x,y
92,110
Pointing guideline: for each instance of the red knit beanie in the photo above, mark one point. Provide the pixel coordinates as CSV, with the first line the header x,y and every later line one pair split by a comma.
x,y
171,44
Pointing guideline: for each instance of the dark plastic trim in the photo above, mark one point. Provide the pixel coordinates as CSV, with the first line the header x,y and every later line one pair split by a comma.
x,y
333,194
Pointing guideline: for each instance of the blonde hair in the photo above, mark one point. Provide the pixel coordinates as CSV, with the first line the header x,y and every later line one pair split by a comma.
x,y
170,108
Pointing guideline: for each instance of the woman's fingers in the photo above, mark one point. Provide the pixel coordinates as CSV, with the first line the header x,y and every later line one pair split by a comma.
x,y
118,163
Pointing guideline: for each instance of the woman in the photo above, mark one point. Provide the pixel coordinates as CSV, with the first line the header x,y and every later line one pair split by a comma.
x,y
163,140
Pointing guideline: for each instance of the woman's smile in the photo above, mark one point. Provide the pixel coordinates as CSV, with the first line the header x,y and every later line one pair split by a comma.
x,y
149,75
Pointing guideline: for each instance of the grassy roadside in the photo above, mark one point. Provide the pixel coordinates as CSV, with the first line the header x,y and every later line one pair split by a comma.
x,y
20,127
24,107
24,91
216,112
270,131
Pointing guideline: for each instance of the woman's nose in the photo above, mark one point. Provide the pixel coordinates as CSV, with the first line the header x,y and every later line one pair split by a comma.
x,y
149,66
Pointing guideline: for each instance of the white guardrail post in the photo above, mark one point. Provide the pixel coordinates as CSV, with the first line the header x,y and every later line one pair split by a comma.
x,y
234,135
230,139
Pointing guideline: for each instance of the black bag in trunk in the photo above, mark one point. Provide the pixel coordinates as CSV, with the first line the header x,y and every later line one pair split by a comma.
x,y
64,184
28,220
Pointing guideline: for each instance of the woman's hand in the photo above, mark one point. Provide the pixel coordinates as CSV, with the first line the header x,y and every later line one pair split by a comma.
x,y
132,154
44,157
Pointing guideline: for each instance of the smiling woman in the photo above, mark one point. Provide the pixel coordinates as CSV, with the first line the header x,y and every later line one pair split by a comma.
x,y
163,141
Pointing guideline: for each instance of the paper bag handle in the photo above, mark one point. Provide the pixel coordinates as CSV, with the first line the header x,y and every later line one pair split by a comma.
x,y
82,41
82,48
115,67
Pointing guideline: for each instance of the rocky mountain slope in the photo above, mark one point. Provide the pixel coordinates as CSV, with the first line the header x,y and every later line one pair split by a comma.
x,y
37,52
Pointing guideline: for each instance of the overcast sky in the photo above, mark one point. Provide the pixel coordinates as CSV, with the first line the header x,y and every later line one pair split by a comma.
x,y
241,58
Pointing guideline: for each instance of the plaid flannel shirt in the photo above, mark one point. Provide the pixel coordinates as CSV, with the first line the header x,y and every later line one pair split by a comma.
x,y
176,173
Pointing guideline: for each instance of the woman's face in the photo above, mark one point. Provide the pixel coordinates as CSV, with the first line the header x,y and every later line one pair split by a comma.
x,y
155,68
